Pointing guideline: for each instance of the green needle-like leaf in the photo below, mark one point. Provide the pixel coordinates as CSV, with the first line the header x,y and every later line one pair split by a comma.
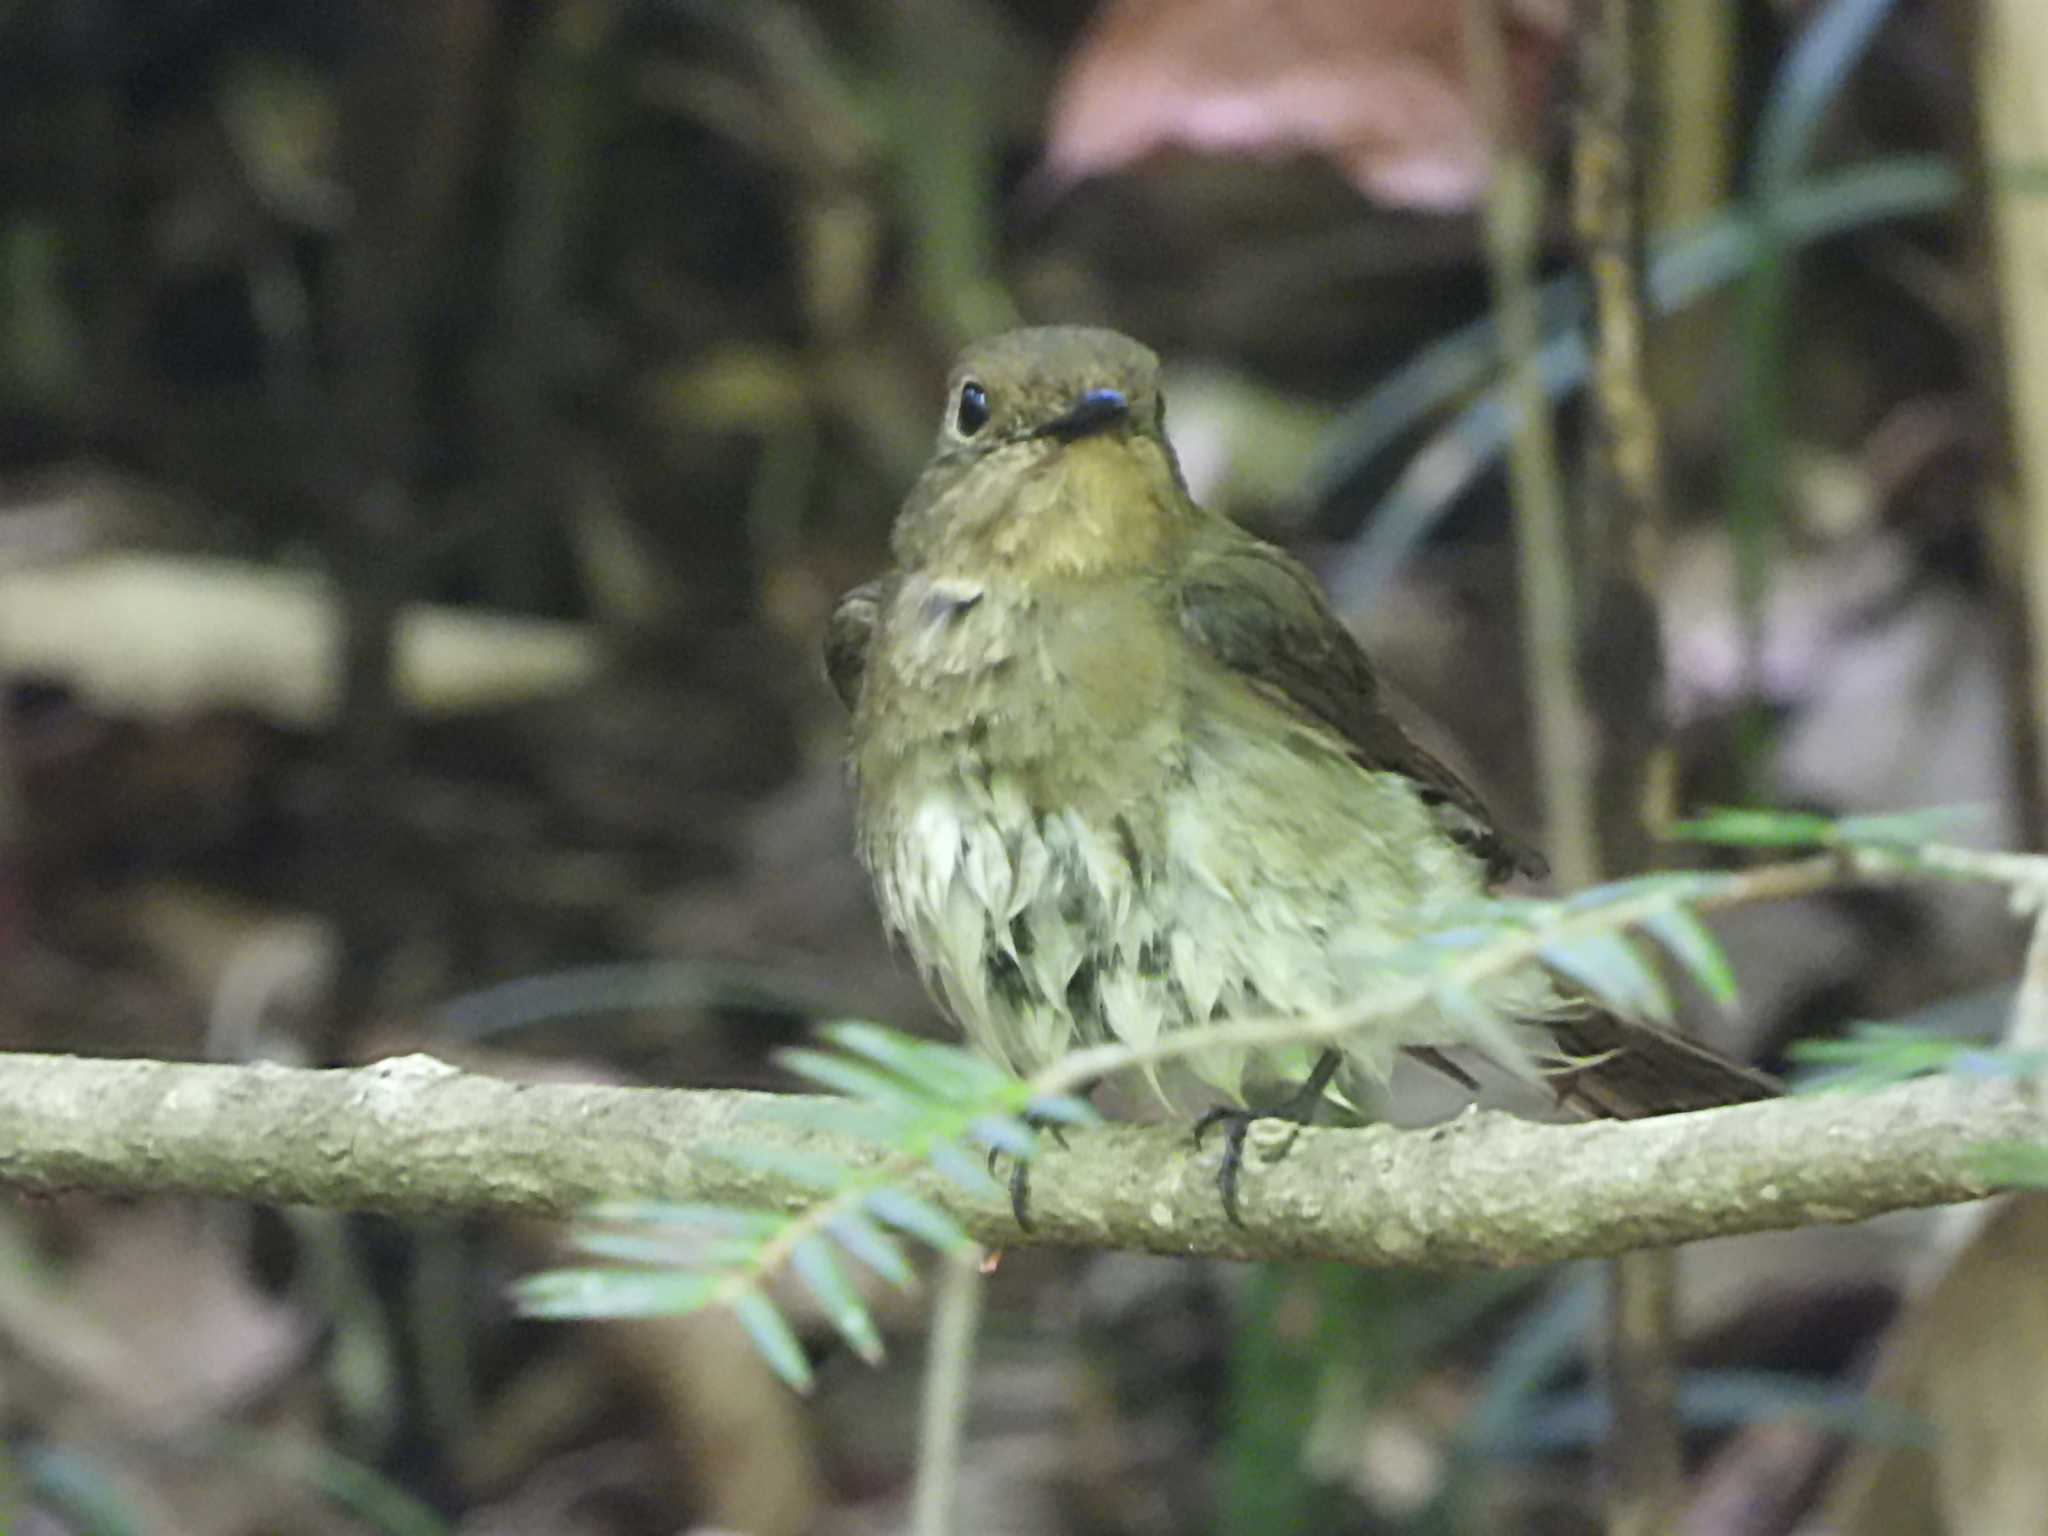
x,y
806,1168
772,1336
1063,1109
820,1272
946,1073
1005,1133
921,1219
872,1246
1699,954
1607,965
857,1120
646,1246
855,1079
1674,884
1755,829
689,1216
613,1293
963,1168
1875,1055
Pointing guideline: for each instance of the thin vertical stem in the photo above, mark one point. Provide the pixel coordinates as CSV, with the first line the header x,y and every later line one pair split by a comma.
x,y
1626,513
948,1380
2012,52
1645,1465
408,133
1514,211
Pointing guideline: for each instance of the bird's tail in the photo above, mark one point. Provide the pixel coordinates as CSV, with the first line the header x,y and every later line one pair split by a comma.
x,y
1627,1071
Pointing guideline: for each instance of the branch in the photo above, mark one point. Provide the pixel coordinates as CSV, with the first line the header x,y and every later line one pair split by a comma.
x,y
413,1136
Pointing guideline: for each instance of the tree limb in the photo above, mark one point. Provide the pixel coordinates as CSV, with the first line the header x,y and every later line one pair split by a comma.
x,y
414,1136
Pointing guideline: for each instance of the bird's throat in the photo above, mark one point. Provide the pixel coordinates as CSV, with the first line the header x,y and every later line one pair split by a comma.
x,y
1100,505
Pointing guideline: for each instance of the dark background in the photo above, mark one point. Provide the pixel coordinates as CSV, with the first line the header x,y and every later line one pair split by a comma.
x,y
623,323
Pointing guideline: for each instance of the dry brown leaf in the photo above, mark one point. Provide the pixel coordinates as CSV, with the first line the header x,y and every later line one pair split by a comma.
x,y
1377,85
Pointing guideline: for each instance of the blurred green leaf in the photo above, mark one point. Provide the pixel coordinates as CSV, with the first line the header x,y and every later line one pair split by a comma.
x,y
963,1168
83,1490
872,1246
772,1336
351,1485
1006,1134
1608,966
1698,953
1062,1109
1875,1055
1872,1056
944,1072
1736,826
920,1218
1740,828
644,1246
1712,1399
855,1119
1663,884
824,1279
720,1220
615,1292
844,1075
640,986
809,1169
1285,1343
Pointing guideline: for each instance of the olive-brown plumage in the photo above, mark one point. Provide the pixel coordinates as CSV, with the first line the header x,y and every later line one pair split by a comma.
x,y
1120,770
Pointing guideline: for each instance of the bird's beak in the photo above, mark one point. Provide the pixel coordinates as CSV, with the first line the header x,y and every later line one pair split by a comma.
x,y
1094,411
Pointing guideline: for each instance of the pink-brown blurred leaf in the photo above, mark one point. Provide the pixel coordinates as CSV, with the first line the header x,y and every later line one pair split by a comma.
x,y
1377,85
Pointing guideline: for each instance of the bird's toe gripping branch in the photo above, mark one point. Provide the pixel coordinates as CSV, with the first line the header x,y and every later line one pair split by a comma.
x,y
1298,1109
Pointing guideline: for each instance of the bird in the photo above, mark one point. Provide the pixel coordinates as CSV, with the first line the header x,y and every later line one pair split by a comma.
x,y
1120,771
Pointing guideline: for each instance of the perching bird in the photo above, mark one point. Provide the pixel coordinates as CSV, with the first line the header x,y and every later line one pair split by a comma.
x,y
1120,770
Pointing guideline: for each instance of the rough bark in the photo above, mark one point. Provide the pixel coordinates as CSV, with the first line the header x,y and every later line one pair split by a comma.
x,y
412,1135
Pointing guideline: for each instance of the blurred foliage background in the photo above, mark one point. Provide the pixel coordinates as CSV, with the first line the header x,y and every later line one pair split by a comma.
x,y
432,434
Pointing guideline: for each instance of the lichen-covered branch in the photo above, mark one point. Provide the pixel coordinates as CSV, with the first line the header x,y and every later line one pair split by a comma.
x,y
412,1135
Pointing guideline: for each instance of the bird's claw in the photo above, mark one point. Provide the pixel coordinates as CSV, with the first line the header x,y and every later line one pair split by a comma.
x,y
1297,1111
1238,1124
1209,1120
1020,1168
1020,1195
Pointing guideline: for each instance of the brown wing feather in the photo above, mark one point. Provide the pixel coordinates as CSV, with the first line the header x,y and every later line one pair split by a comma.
x,y
1629,1070
847,637
1260,613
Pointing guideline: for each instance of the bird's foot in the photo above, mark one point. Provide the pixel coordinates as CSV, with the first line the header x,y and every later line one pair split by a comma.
x,y
1298,1109
1020,1168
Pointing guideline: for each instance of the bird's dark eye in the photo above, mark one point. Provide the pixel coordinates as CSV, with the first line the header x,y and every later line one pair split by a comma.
x,y
972,414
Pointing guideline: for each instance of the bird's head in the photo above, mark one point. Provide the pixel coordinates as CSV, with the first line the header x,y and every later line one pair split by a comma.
x,y
1051,458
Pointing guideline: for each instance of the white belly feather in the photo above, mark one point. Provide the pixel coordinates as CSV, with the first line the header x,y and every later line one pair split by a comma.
x,y
1209,861
1044,930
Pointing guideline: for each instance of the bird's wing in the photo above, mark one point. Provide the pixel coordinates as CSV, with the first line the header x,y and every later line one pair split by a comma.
x,y
847,636
1261,614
